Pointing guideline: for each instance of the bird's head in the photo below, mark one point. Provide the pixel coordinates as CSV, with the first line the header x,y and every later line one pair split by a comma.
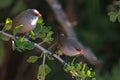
x,y
34,12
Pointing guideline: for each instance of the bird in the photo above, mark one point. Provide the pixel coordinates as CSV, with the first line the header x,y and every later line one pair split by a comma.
x,y
69,47
28,19
72,47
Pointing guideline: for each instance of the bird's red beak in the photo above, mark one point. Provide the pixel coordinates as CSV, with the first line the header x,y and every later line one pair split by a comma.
x,y
37,14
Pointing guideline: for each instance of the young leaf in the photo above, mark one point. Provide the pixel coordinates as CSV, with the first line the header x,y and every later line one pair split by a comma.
x,y
32,35
32,59
8,25
39,26
89,73
49,37
59,52
23,44
80,71
40,20
17,29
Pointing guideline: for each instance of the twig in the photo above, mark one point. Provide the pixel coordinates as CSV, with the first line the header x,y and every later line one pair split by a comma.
x,y
50,53
8,35
44,58
43,65
39,47
41,42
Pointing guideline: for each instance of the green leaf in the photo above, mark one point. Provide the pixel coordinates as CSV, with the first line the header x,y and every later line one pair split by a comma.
x,y
19,46
29,45
21,39
89,73
38,28
8,25
17,29
44,32
22,44
79,71
113,16
32,59
49,37
59,52
40,20
8,20
32,35
43,71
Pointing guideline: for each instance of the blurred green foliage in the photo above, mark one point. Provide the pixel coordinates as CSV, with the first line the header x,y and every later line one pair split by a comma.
x,y
80,71
115,14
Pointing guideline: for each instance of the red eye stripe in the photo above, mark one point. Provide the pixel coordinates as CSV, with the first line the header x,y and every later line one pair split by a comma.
x,y
80,50
37,14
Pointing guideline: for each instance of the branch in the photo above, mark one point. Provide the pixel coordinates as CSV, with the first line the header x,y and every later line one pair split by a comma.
x,y
50,53
62,18
8,35
69,31
39,47
45,51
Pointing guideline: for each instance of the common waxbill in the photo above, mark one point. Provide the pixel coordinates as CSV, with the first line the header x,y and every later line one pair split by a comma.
x,y
28,19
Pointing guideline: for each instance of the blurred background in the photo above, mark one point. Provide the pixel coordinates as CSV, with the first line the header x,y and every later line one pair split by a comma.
x,y
92,26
